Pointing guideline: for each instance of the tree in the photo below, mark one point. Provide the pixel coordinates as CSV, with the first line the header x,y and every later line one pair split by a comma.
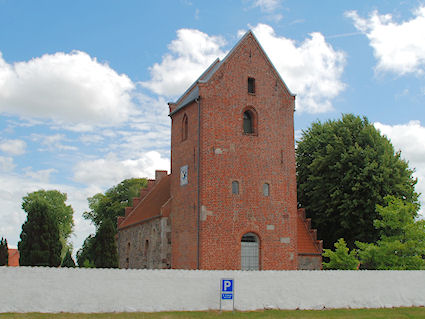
x,y
402,238
68,261
57,208
341,258
344,169
105,248
107,207
40,243
112,204
85,255
4,252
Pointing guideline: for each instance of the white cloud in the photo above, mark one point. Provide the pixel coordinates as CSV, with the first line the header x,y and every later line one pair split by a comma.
x,y
42,175
311,69
410,139
6,164
66,88
190,54
108,171
13,147
398,47
267,5
52,143
91,139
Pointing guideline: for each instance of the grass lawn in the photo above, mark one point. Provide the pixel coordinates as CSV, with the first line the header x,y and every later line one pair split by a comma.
x,y
268,314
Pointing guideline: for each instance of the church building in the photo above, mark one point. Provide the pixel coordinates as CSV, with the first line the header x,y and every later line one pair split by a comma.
x,y
230,201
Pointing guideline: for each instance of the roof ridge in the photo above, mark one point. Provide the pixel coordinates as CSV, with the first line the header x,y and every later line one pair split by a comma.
x,y
217,60
142,201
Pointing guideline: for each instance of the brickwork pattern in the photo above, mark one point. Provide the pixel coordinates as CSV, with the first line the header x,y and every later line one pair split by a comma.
x,y
184,214
227,154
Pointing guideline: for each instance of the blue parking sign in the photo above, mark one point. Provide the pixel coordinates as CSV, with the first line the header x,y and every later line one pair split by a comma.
x,y
227,291
227,285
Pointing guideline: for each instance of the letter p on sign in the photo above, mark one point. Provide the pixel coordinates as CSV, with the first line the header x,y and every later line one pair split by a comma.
x,y
227,285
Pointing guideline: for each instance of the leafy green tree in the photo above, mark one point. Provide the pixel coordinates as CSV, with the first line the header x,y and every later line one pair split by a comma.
x,y
57,208
68,261
112,204
4,252
341,258
344,169
402,238
105,248
40,243
85,255
107,207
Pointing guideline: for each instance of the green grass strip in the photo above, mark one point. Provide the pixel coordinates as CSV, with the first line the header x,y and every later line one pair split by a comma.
x,y
267,314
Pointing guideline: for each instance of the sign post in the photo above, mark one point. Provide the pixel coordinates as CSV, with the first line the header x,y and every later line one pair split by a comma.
x,y
227,291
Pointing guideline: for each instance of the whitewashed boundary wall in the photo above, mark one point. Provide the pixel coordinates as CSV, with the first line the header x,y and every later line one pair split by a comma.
x,y
27,289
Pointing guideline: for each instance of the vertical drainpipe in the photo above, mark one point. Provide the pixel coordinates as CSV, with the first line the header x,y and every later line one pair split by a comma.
x,y
198,100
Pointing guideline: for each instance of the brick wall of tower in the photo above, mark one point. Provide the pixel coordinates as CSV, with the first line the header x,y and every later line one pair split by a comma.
x,y
184,198
266,157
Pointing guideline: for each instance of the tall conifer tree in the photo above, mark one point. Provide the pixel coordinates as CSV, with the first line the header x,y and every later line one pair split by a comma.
x,y
105,248
4,252
40,243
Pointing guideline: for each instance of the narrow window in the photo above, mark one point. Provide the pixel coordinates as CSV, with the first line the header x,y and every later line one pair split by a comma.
x,y
184,128
127,259
251,85
247,123
146,247
266,189
235,187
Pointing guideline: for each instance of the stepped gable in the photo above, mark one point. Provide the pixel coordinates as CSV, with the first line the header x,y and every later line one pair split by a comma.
x,y
307,237
153,202
192,93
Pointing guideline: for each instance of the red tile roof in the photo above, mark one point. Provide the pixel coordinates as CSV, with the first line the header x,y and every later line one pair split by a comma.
x,y
155,203
13,257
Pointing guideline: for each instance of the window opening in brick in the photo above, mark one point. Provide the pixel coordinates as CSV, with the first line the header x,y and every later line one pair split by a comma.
x,y
185,128
235,187
146,247
247,122
251,85
127,259
266,189
250,252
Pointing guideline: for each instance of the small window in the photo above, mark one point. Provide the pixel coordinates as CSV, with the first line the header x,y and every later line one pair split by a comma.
x,y
185,128
235,187
146,247
247,123
251,85
266,189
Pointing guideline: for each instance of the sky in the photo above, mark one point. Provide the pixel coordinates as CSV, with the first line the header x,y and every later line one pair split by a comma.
x,y
84,85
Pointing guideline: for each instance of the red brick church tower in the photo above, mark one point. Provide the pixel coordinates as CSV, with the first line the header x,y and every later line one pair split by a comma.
x,y
233,195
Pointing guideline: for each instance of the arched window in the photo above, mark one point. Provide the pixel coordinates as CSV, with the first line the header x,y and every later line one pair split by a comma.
x,y
249,119
250,257
266,189
235,187
185,128
247,123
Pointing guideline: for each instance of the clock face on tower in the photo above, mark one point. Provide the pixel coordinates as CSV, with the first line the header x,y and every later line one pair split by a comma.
x,y
183,175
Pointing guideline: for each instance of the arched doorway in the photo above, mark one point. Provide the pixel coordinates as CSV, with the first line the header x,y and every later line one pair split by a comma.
x,y
250,257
